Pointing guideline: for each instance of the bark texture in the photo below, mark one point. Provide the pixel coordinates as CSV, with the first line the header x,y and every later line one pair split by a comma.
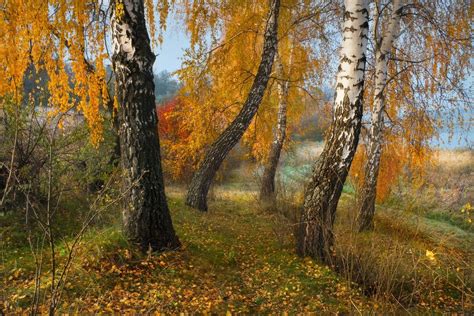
x,y
383,45
267,190
315,236
146,217
202,179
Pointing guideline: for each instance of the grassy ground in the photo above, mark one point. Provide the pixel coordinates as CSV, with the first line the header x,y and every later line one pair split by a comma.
x,y
236,257
409,259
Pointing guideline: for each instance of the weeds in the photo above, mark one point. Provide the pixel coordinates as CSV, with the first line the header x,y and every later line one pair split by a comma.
x,y
402,263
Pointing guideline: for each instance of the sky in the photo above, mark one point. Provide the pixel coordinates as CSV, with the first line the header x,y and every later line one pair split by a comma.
x,y
170,53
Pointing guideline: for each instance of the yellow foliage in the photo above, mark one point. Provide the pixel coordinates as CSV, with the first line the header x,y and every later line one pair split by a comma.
x,y
403,155
430,255
216,77
414,101
64,39
467,212
55,36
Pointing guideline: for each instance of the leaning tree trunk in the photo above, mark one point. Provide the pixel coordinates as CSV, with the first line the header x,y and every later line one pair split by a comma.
x,y
383,45
146,217
315,236
202,179
267,189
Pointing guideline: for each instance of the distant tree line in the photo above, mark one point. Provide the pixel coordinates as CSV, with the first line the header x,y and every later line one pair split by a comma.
x,y
36,82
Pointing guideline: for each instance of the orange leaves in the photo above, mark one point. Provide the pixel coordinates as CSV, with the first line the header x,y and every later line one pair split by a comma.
x,y
169,126
56,37
150,15
217,73
403,155
391,167
357,171
173,136
14,35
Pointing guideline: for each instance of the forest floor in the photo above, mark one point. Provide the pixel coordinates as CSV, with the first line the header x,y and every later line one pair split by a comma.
x,y
233,258
240,258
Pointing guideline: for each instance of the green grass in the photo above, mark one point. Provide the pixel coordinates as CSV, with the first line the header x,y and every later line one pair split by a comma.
x,y
438,225
451,219
393,262
236,257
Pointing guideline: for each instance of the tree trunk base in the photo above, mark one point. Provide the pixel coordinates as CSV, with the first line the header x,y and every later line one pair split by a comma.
x,y
160,245
197,203
267,195
315,239
197,198
268,203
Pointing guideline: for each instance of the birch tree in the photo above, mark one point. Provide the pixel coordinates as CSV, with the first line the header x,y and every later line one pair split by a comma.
x,y
383,39
57,37
419,91
315,236
146,216
216,77
203,177
267,189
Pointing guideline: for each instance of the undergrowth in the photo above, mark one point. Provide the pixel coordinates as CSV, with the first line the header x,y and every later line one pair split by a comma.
x,y
239,257
235,258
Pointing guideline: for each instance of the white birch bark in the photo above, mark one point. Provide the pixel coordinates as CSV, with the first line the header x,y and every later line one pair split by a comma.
x,y
267,190
315,236
383,45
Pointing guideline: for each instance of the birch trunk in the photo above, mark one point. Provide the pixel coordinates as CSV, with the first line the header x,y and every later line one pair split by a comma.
x,y
267,190
383,45
202,179
315,237
146,217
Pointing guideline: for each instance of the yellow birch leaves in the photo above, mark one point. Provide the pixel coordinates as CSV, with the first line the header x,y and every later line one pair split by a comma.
x,y
64,39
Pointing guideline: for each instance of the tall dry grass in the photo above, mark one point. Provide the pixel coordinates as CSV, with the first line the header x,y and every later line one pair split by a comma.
x,y
402,263
410,260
